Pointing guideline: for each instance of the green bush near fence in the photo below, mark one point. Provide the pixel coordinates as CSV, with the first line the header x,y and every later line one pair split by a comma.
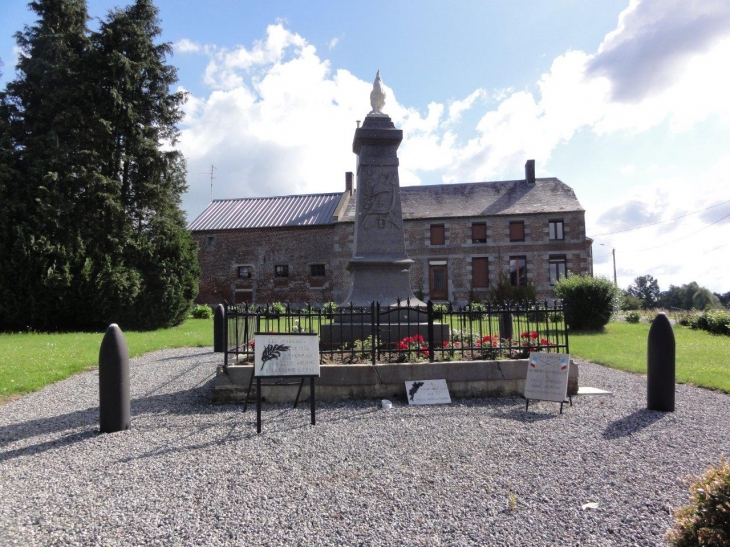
x,y
589,301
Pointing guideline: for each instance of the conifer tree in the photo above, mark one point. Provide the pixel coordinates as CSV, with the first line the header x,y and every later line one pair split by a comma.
x,y
92,216
45,117
141,114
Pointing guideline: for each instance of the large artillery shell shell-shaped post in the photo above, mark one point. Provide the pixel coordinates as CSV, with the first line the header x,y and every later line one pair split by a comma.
x,y
114,403
660,369
219,341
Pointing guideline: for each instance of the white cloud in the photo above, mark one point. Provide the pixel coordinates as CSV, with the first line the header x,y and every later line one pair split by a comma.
x,y
187,46
677,251
653,41
279,120
333,43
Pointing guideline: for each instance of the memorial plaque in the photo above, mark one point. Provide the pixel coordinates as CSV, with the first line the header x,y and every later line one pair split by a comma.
x,y
547,377
286,354
428,392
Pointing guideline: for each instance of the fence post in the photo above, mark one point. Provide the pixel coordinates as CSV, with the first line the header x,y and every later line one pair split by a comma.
x,y
429,310
114,404
660,369
372,332
225,334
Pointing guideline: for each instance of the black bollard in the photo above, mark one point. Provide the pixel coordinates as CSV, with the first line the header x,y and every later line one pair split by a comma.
x,y
660,368
219,316
114,412
505,325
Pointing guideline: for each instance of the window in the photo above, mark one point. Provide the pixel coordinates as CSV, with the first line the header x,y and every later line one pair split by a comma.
x,y
438,234
517,231
209,241
479,232
281,270
556,229
558,268
244,272
480,273
316,270
518,271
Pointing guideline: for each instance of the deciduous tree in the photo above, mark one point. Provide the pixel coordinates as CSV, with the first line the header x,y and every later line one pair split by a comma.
x,y
646,288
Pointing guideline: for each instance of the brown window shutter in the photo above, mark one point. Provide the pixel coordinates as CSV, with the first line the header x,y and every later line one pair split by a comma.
x,y
479,233
480,272
438,234
517,231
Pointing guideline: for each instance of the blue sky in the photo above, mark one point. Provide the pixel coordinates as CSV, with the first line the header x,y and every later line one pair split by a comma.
x,y
625,101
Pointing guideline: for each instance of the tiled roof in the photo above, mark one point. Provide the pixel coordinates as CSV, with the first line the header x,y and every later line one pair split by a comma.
x,y
512,197
232,214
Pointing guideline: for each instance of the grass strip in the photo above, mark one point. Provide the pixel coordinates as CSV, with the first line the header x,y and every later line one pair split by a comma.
x,y
702,359
30,361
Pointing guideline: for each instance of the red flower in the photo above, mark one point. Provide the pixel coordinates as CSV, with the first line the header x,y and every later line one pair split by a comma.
x,y
534,335
446,344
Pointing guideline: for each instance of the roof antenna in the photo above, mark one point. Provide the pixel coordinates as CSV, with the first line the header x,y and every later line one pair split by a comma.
x,y
212,168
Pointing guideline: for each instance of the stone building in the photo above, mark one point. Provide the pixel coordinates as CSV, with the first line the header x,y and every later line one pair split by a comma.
x,y
461,236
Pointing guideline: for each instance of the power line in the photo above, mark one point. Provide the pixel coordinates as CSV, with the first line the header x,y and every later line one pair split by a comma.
x,y
661,221
716,248
682,238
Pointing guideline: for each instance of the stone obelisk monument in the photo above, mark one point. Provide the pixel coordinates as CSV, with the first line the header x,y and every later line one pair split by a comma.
x,y
379,265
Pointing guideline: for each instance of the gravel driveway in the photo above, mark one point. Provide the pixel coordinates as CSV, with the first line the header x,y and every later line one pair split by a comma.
x,y
476,472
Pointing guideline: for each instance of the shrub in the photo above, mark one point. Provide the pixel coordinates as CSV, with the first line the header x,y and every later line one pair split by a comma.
x,y
630,302
275,310
633,317
504,291
714,321
201,312
706,521
589,301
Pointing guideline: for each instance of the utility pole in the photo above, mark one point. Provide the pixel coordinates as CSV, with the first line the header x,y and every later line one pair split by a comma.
x,y
613,251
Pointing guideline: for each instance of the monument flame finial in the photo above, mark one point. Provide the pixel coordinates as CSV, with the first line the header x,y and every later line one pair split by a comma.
x,y
377,96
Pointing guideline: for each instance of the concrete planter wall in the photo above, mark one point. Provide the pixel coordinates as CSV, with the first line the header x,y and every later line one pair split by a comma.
x,y
343,382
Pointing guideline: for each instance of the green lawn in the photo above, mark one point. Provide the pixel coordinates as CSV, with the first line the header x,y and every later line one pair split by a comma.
x,y
702,359
29,361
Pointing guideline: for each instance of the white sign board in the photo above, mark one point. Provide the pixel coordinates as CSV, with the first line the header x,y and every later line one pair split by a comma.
x,y
286,354
428,392
547,376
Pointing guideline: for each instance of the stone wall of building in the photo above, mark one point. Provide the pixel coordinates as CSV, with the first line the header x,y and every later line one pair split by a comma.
x,y
222,252
458,251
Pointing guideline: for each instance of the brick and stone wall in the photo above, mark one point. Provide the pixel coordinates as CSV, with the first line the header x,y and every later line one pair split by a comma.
x,y
221,252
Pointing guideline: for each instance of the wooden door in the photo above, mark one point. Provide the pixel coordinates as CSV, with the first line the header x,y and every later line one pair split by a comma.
x,y
438,276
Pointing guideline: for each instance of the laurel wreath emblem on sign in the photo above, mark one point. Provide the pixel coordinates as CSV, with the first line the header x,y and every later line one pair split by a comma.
x,y
272,351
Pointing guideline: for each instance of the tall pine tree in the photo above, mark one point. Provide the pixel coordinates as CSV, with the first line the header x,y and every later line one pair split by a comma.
x,y
141,114
92,216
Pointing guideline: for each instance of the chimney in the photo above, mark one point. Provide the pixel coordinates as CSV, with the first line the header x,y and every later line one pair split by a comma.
x,y
348,182
530,171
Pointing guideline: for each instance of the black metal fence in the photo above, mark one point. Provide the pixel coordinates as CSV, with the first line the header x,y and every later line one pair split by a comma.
x,y
404,333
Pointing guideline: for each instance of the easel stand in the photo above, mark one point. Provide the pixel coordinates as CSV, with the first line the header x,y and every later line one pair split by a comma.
x,y
570,400
312,398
